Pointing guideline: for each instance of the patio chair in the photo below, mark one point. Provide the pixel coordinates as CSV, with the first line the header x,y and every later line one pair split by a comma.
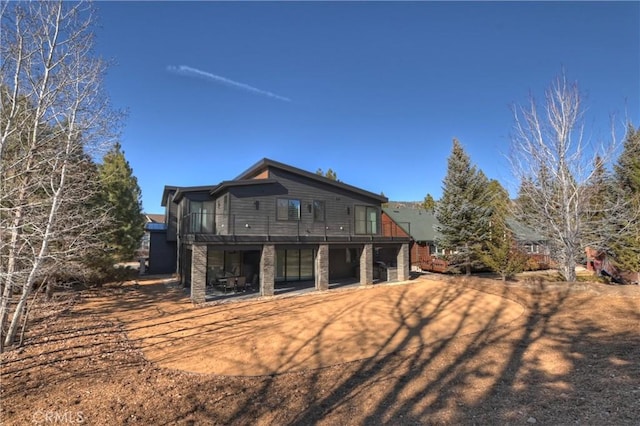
x,y
214,275
241,283
230,284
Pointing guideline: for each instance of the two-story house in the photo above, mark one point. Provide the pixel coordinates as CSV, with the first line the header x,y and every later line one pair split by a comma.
x,y
276,223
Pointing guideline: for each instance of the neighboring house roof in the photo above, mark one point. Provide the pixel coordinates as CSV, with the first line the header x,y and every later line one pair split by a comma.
x,y
420,224
523,232
266,163
155,226
154,217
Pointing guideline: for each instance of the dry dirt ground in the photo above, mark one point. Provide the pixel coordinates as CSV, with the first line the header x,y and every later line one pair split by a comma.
x,y
435,350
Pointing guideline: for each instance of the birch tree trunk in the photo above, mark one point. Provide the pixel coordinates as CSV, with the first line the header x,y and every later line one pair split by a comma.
x,y
54,117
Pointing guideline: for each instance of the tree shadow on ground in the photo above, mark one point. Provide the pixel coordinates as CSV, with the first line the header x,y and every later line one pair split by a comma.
x,y
562,361
545,363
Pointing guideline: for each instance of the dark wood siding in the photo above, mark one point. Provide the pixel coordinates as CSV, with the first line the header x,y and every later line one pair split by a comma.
x,y
180,212
162,254
171,218
252,210
198,196
222,214
247,217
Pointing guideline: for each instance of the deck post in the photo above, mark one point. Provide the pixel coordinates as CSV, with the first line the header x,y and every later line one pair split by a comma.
x,y
267,270
198,273
366,265
322,267
402,261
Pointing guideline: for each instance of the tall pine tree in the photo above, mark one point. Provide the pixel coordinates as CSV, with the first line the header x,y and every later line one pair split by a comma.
x,y
626,247
501,252
603,197
463,212
628,168
122,195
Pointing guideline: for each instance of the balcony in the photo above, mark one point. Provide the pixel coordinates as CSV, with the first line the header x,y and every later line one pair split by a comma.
x,y
206,227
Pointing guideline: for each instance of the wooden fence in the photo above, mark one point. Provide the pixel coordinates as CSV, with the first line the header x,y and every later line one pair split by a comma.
x,y
433,264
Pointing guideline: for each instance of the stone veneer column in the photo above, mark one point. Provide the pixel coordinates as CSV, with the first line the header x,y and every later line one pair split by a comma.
x,y
198,274
366,265
267,270
322,267
403,262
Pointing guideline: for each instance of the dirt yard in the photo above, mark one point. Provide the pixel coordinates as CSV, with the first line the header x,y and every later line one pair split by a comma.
x,y
435,350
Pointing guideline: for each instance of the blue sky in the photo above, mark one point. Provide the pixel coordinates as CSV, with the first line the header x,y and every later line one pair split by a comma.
x,y
374,90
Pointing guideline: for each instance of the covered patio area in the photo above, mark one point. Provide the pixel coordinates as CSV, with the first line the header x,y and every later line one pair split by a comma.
x,y
223,272
293,288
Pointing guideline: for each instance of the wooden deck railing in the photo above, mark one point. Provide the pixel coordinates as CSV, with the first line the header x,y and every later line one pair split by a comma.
x,y
434,264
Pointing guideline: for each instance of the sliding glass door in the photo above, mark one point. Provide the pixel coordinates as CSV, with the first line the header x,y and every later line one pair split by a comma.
x,y
294,264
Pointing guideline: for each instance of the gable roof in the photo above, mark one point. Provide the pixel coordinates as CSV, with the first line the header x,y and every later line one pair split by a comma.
x,y
420,224
266,163
247,178
165,194
181,191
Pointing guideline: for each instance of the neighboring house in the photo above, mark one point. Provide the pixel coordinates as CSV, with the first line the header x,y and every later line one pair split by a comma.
x,y
151,221
598,261
421,226
533,245
154,217
602,264
159,253
275,223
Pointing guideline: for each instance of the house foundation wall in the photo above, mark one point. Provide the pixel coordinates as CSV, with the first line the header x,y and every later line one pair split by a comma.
x,y
198,274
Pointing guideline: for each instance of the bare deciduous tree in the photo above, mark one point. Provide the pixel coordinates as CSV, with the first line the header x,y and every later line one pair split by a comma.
x,y
558,170
55,117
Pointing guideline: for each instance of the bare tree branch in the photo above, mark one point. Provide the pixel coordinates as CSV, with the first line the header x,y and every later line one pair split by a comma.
x,y
556,169
55,117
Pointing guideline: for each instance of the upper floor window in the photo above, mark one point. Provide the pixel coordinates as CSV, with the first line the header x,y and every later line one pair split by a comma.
x,y
200,216
366,218
288,209
318,211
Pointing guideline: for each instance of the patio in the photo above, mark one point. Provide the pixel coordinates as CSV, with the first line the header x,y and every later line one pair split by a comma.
x,y
220,293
